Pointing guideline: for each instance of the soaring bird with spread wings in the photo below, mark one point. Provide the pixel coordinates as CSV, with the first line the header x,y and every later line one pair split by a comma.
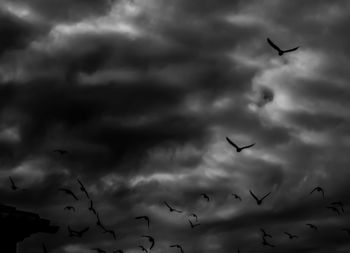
x,y
279,50
238,149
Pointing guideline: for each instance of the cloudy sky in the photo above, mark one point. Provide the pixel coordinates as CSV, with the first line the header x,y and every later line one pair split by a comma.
x,y
143,93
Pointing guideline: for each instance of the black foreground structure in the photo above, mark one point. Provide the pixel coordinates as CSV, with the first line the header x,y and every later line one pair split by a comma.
x,y
16,225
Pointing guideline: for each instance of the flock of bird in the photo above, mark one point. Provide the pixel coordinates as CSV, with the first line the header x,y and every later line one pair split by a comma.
x,y
336,206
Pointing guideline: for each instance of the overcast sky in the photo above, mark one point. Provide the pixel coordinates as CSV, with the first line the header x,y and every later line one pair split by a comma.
x,y
143,93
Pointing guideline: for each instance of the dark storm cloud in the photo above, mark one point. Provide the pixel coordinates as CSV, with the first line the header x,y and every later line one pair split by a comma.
x,y
144,113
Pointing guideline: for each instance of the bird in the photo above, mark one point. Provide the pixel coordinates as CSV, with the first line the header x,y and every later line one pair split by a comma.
x,y
238,149
264,233
69,192
143,217
290,235
334,209
150,239
194,215
143,248
205,196
265,243
259,201
13,185
171,209
280,51
110,231
319,189
91,208
236,196
311,226
177,246
99,250
61,151
77,233
340,204
70,208
83,189
193,225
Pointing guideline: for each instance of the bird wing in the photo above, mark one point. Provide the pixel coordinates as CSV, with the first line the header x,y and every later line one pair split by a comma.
x,y
231,142
251,193
265,196
290,50
248,146
273,45
167,205
313,190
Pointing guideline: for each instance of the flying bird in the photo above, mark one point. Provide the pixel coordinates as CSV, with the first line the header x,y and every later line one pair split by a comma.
x,y
290,235
265,243
171,209
236,196
91,208
13,185
143,248
150,239
83,189
69,192
334,209
319,189
279,50
238,149
264,233
70,208
146,218
99,250
193,225
311,226
61,151
259,201
80,233
194,215
340,204
205,196
177,246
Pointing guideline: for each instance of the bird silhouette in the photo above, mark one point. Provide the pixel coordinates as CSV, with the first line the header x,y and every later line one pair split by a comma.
x,y
193,225
236,196
146,218
205,196
80,233
265,243
91,208
13,185
99,250
171,209
70,208
279,50
311,226
340,204
143,248
177,246
83,189
259,201
290,235
194,216
319,189
334,209
238,149
150,239
264,233
61,151
69,192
